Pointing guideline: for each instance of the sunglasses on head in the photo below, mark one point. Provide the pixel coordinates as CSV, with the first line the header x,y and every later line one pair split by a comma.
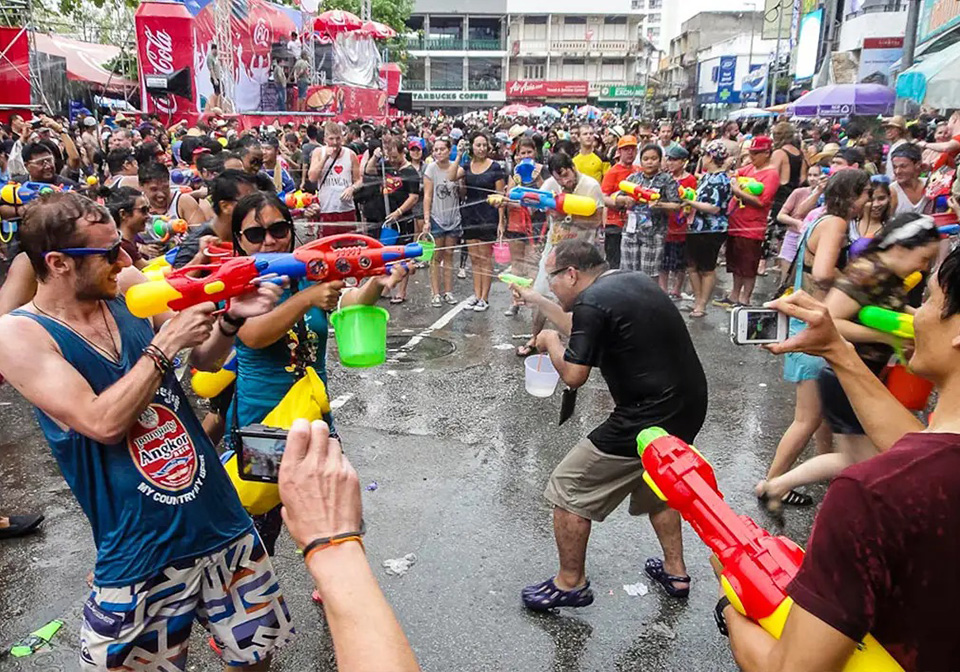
x,y
257,234
111,254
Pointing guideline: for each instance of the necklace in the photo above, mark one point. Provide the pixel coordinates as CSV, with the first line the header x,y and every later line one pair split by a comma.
x,y
115,355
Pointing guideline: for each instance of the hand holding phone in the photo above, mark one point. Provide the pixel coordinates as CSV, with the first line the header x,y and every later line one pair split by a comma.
x,y
756,326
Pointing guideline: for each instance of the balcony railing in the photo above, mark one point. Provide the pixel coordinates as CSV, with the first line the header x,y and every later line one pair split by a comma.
x,y
414,84
415,43
438,84
485,85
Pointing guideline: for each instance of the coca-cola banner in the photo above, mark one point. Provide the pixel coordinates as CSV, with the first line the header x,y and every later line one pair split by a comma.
x,y
164,45
529,88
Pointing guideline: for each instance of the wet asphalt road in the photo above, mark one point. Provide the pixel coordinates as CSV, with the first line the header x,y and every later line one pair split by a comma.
x,y
461,454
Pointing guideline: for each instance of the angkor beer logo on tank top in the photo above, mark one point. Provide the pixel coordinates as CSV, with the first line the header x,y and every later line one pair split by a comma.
x,y
162,449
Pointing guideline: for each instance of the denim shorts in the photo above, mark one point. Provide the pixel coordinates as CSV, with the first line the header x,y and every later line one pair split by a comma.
x,y
798,366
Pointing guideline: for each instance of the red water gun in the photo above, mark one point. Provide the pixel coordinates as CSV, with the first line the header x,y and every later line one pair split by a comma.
x,y
757,567
638,193
346,255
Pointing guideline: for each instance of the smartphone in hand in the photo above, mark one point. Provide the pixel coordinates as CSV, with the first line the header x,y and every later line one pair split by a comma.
x,y
755,326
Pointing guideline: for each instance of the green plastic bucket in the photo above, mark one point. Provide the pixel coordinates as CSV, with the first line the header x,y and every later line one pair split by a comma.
x,y
429,245
361,333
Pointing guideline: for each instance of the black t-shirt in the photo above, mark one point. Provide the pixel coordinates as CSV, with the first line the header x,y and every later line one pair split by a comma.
x,y
479,213
625,324
400,183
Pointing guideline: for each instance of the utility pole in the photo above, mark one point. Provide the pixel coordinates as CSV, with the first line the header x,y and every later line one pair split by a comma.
x,y
753,24
909,45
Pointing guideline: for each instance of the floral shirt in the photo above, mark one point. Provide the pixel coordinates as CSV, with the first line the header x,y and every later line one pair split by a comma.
x,y
641,216
714,189
868,282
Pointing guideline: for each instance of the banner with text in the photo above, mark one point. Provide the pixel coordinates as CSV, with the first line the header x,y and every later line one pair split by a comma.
x,y
528,88
726,77
877,57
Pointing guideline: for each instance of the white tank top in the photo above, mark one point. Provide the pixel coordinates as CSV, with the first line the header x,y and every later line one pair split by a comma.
x,y
172,210
903,202
339,177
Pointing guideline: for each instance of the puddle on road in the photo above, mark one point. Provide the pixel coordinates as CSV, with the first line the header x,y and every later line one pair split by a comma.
x,y
426,349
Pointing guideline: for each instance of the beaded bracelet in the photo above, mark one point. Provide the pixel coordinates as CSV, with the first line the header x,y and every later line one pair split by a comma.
x,y
159,359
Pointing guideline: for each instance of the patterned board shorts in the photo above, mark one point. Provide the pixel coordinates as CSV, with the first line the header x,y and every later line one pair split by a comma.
x,y
642,251
233,593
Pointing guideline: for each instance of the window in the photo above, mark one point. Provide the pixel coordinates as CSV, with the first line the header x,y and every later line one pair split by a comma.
x,y
654,19
638,4
656,4
534,70
615,20
535,18
486,74
575,21
446,74
714,73
653,33
612,71
534,31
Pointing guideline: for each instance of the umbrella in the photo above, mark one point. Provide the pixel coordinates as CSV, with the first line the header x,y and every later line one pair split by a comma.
x,y
545,111
336,21
380,31
589,111
934,80
515,110
842,100
748,113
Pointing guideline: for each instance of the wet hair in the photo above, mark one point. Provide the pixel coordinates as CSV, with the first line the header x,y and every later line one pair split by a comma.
x,y
852,155
529,143
445,140
147,152
907,151
121,200
50,223
224,187
882,185
152,171
559,162
578,254
312,131
908,229
652,147
565,147
948,277
783,134
257,202
211,163
116,159
34,149
843,188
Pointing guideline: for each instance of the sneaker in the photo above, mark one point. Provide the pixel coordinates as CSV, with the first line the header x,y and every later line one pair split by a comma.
x,y
435,301
462,274
687,297
512,311
448,298
472,301
481,306
725,302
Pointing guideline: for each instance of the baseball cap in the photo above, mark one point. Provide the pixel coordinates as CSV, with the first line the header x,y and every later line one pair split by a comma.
x,y
677,152
456,134
89,121
761,143
627,141
415,142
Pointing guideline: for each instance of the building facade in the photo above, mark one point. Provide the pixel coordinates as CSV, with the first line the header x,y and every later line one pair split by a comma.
x,y
464,56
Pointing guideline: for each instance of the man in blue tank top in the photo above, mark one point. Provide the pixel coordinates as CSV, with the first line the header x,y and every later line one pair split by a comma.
x,y
173,542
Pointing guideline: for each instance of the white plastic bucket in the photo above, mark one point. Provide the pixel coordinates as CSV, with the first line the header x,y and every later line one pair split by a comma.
x,y
540,376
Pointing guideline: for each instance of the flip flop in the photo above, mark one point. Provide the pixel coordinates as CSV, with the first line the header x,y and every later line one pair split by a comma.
x,y
20,525
545,596
654,569
397,299
697,313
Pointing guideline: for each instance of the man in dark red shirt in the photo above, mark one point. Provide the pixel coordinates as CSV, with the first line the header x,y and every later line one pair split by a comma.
x,y
884,551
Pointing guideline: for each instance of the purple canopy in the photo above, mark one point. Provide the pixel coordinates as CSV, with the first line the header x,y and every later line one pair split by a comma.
x,y
841,100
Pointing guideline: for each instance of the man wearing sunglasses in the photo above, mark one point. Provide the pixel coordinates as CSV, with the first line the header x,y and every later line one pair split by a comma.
x,y
168,526
623,323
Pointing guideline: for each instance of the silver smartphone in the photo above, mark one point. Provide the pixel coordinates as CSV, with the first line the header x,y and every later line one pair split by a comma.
x,y
749,326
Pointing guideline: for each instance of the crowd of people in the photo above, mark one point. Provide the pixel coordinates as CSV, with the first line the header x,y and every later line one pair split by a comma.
x,y
838,217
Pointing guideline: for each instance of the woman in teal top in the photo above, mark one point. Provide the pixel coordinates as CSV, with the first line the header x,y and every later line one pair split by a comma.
x,y
273,350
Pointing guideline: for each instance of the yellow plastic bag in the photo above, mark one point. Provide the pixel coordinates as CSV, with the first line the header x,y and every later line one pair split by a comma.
x,y
306,399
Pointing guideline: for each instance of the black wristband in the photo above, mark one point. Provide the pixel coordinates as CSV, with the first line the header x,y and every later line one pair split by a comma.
x,y
722,604
235,322
323,541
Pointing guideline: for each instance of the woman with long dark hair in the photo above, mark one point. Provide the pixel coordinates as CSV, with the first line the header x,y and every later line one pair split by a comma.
x,y
906,244
821,255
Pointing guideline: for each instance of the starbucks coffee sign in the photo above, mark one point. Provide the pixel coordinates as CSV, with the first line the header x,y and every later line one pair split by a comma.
x,y
458,96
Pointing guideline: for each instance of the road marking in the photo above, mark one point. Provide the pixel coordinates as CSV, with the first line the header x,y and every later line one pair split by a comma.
x,y
443,321
340,401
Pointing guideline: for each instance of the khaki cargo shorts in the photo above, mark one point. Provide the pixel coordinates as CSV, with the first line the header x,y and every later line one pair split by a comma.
x,y
591,484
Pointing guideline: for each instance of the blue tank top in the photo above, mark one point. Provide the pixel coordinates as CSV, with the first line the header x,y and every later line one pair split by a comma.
x,y
265,375
156,497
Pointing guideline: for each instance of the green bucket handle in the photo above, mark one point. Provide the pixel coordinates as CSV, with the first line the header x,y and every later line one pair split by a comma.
x,y
429,245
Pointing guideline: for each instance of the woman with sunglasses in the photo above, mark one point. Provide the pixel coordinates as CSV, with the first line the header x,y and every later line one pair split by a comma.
x,y
274,349
130,211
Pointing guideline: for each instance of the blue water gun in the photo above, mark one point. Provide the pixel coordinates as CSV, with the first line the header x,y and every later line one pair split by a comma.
x,y
19,194
186,177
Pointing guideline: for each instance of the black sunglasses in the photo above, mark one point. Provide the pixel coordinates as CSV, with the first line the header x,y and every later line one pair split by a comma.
x,y
277,230
111,254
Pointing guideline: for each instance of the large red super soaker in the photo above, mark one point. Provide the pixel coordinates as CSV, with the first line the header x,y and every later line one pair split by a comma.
x,y
757,567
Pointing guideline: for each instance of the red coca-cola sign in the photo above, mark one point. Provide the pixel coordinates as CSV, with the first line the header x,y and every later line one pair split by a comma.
x,y
528,88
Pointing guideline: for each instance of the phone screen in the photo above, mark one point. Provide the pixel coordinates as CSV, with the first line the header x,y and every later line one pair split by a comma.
x,y
260,458
762,325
